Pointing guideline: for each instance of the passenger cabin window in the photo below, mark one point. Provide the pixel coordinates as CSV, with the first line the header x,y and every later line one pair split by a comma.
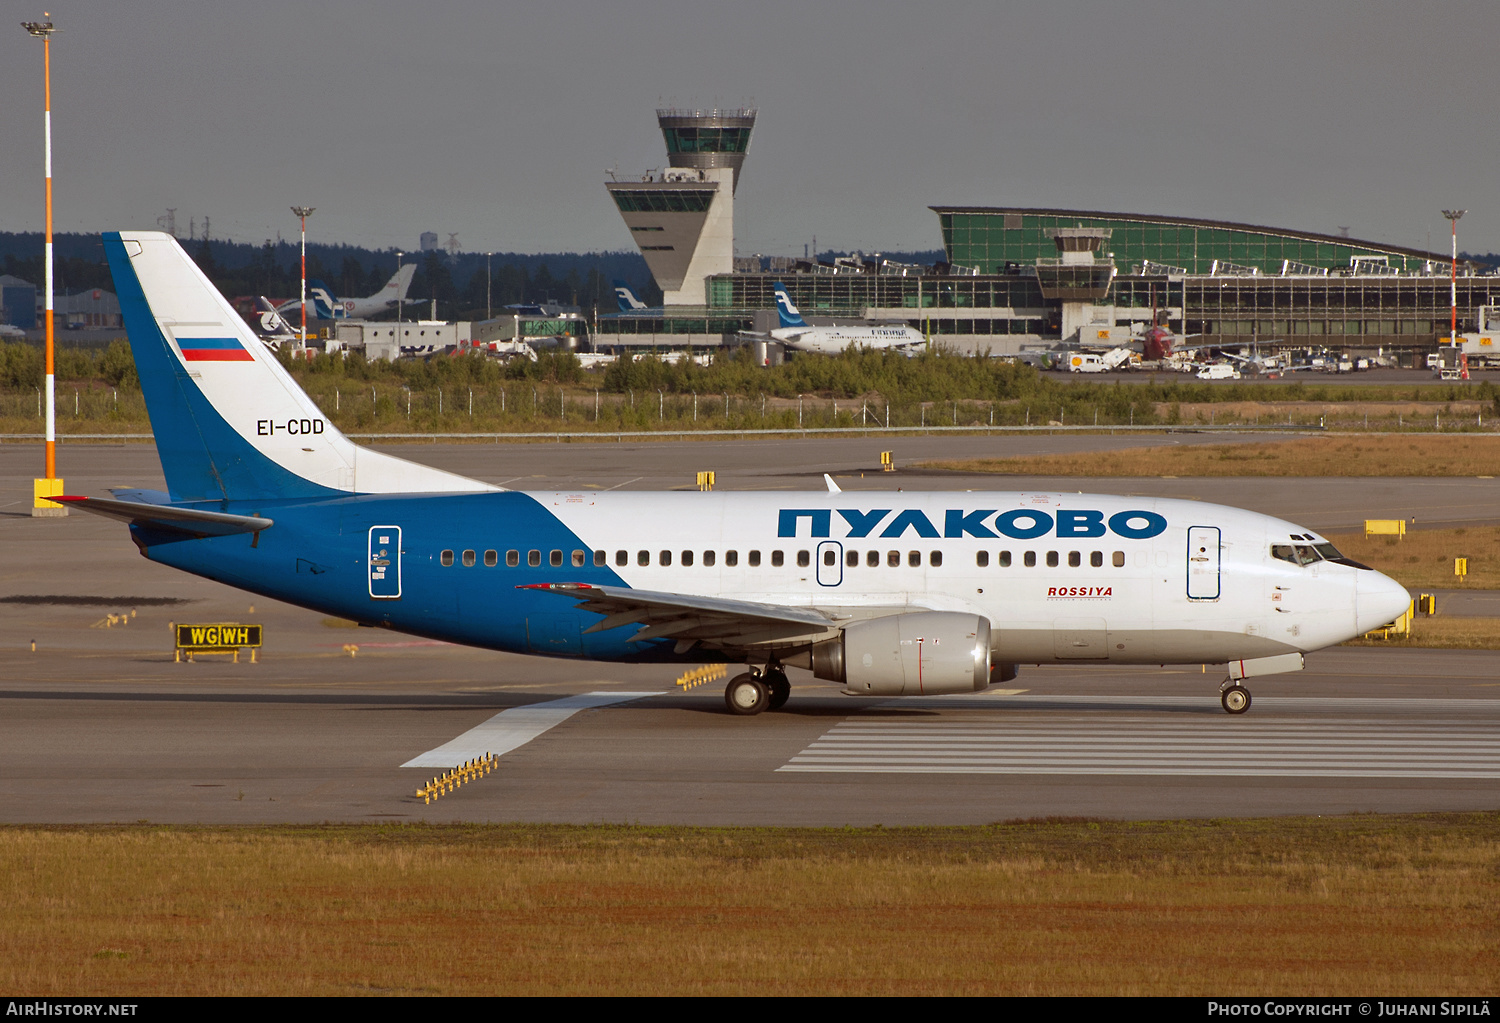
x,y
1075,559
1005,559
664,558
1119,559
643,558
446,559
803,559
1096,559
914,559
599,559
533,558
1051,559
687,559
469,559
935,559
872,559
1030,559
512,559
777,559
893,559
622,558
982,559
755,559
709,557
556,559
580,558
830,557
851,559
491,559
731,558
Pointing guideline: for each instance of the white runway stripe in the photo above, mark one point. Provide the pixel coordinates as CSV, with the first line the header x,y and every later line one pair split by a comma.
x,y
1031,741
513,728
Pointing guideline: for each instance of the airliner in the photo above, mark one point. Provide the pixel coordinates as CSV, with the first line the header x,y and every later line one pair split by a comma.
x,y
881,593
327,306
797,333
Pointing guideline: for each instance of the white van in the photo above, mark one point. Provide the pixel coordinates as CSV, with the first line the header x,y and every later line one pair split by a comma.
x,y
1218,371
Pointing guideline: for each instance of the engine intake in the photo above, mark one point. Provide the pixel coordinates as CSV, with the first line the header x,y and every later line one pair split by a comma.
x,y
921,653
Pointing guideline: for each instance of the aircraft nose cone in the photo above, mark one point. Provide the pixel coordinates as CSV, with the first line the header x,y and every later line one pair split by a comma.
x,y
1378,599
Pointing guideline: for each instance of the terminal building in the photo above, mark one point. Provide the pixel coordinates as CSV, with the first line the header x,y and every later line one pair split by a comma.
x,y
1020,277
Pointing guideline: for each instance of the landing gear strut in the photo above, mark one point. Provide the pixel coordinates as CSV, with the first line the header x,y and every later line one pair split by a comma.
x,y
755,691
1234,697
781,689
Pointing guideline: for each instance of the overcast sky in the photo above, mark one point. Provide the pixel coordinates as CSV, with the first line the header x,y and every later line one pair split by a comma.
x,y
497,120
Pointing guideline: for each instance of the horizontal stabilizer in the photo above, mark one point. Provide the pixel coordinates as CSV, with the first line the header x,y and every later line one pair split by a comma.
x,y
181,520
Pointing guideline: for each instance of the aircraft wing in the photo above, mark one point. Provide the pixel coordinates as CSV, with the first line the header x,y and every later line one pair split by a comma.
x,y
159,516
689,619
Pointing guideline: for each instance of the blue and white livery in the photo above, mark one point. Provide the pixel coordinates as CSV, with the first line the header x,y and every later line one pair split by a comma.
x,y
798,334
880,593
628,302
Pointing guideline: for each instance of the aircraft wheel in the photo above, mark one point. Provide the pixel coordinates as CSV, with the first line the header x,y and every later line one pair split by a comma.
x,y
780,689
746,694
1236,700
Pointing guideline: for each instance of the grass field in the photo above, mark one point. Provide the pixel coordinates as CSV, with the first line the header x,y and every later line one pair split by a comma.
x,y
1330,906
1443,632
1423,558
1384,455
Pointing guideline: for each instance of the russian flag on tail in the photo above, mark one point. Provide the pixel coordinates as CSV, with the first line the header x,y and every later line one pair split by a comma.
x,y
213,349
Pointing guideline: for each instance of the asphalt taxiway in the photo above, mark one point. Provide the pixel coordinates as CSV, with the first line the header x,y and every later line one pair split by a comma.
x,y
99,724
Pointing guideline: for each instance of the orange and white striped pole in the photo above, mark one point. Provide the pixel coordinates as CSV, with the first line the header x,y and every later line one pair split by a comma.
x,y
50,485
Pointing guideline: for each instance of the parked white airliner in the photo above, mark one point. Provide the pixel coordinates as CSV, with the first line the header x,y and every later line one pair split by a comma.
x,y
327,306
881,593
797,333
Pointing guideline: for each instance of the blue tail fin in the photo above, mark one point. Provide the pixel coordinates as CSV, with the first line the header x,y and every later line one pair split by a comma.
x,y
628,302
325,303
230,422
786,309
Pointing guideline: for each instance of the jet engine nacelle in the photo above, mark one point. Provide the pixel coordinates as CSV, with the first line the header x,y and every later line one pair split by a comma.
x,y
921,653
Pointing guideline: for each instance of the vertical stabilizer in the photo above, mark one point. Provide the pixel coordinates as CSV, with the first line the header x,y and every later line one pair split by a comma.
x,y
786,308
230,422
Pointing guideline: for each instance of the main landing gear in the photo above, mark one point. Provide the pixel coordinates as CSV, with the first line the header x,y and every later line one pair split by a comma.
x,y
1234,697
755,691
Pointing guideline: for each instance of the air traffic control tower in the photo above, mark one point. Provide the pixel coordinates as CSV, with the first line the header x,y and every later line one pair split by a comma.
x,y
682,218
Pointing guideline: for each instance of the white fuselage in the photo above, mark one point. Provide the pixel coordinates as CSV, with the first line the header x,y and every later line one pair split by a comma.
x,y
833,340
1206,588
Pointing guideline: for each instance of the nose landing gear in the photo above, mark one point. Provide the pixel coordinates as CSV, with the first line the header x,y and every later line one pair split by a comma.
x,y
756,691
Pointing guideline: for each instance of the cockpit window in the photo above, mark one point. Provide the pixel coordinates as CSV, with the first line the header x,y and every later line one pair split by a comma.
x,y
1307,554
1297,554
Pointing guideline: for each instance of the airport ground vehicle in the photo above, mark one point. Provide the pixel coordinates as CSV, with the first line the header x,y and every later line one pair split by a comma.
x,y
882,593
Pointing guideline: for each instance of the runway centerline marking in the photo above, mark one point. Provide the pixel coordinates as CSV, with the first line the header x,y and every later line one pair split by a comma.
x,y
514,728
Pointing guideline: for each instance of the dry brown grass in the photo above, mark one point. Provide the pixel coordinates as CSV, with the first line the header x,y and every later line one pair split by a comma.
x,y
1444,632
1380,455
1423,558
1349,905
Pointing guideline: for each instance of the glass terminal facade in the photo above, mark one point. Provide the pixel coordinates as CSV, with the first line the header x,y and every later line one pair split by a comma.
x,y
1224,282
992,238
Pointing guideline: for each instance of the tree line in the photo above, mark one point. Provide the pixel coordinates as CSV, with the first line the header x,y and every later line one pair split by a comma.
x,y
456,283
